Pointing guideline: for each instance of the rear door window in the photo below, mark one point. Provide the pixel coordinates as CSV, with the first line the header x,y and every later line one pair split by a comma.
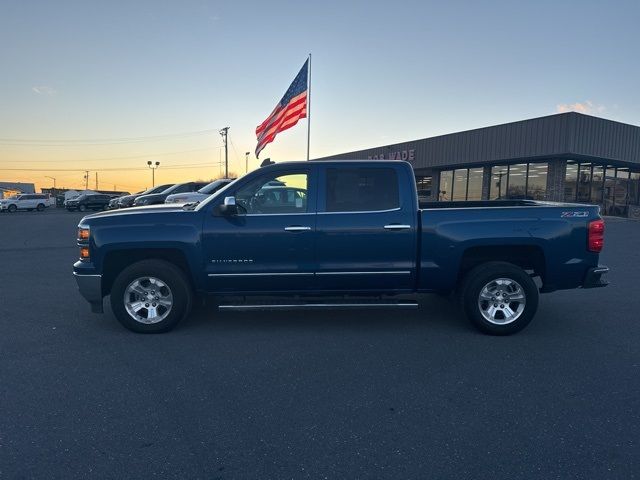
x,y
361,189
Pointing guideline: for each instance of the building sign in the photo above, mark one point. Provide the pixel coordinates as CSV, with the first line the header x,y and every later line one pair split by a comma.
x,y
406,155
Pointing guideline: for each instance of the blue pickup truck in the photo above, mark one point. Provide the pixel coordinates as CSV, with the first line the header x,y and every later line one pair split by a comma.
x,y
334,234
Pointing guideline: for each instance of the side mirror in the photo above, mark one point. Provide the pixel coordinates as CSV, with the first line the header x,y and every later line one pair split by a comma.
x,y
229,206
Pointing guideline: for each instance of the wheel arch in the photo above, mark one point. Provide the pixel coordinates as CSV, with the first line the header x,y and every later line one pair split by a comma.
x,y
528,257
117,260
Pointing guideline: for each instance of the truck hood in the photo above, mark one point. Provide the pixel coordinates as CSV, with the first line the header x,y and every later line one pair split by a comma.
x,y
148,210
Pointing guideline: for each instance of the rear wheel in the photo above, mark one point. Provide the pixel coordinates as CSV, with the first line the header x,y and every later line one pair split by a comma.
x,y
151,296
499,298
40,207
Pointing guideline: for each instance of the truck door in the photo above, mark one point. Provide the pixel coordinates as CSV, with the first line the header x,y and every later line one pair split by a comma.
x,y
366,229
269,245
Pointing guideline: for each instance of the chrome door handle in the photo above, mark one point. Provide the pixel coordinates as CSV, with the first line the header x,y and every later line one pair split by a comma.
x,y
397,226
296,228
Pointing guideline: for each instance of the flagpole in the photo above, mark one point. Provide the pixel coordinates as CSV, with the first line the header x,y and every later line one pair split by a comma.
x,y
309,107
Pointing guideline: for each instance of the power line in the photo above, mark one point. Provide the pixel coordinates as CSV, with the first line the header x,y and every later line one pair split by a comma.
x,y
115,169
97,141
123,158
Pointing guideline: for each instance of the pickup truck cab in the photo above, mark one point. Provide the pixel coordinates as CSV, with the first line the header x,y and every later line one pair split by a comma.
x,y
319,234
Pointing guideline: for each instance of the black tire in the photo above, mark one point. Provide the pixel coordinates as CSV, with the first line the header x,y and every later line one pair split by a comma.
x,y
12,209
82,208
477,309
40,207
172,276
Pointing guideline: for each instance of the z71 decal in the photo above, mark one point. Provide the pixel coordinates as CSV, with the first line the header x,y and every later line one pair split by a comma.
x,y
574,214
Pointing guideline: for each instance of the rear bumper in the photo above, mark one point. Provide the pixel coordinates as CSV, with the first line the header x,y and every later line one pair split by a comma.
x,y
593,278
90,287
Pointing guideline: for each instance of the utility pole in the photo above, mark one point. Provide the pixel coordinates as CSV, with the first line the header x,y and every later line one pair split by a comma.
x,y
225,132
96,181
86,179
54,181
246,162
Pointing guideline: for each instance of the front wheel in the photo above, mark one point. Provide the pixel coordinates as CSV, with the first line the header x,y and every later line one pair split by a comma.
x,y
151,296
82,208
12,209
499,298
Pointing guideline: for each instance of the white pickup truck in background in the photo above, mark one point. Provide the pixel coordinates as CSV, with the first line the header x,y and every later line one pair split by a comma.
x,y
27,201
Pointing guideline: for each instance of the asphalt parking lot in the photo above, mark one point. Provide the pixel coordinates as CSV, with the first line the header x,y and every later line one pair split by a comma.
x,y
336,395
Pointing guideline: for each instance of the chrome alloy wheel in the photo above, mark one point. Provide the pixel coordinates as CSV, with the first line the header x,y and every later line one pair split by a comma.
x,y
502,301
148,300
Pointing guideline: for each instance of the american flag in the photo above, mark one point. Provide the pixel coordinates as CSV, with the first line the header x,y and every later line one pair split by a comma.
x,y
291,108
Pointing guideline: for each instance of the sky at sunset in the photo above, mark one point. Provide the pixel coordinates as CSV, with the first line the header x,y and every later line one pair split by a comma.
x,y
107,86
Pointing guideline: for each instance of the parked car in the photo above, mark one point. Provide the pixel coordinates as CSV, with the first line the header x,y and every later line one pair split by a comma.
x,y
25,201
158,198
360,232
199,195
92,201
127,200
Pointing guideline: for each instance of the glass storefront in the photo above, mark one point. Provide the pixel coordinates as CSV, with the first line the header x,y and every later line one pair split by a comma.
x,y
423,184
571,181
517,183
474,187
498,189
446,185
634,188
613,188
460,184
537,181
597,183
583,193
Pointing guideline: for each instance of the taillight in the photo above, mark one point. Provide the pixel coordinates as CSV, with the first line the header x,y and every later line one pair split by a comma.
x,y
595,240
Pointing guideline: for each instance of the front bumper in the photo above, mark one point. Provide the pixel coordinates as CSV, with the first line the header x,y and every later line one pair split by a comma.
x,y
593,278
90,287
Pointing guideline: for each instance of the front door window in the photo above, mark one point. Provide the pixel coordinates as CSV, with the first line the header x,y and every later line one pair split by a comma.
x,y
285,194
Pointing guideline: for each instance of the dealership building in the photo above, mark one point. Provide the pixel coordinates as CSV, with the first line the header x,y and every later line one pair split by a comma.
x,y
565,157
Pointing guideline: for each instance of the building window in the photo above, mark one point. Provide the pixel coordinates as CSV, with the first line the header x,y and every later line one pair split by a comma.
x,y
634,188
459,185
446,186
571,181
597,183
474,187
424,187
517,187
499,176
584,183
537,181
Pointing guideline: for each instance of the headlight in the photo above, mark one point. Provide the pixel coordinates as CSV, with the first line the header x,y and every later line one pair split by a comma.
x,y
83,234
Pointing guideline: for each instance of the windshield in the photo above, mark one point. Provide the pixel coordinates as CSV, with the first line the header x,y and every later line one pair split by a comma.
x,y
214,186
198,205
159,189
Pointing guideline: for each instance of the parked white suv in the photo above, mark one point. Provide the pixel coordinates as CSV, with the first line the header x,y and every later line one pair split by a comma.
x,y
25,201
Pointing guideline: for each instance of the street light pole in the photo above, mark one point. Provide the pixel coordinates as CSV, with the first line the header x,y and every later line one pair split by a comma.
x,y
54,181
246,162
153,167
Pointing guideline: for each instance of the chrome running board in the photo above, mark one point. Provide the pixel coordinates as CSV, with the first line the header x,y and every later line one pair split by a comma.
x,y
316,306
